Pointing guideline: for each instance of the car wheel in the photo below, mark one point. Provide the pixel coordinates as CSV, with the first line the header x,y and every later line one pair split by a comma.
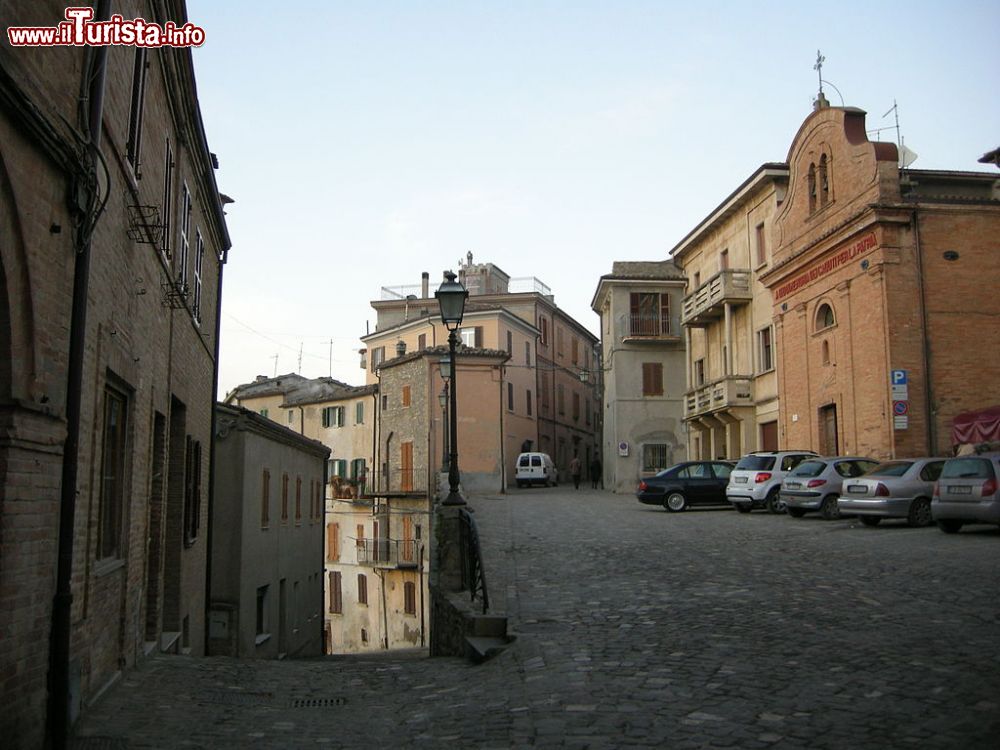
x,y
870,520
949,526
742,507
829,509
774,503
795,512
920,513
675,502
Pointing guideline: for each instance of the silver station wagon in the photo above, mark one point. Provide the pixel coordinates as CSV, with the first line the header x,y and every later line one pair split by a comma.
x,y
895,489
968,491
815,484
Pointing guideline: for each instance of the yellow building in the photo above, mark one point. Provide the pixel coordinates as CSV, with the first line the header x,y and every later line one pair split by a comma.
x,y
731,407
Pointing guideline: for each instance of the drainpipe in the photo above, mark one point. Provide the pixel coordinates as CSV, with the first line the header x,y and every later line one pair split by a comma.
x,y
929,390
92,91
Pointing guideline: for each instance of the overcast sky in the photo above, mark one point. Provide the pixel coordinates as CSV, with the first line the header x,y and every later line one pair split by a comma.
x,y
366,142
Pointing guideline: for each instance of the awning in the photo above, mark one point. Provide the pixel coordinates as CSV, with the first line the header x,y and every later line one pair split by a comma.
x,y
980,426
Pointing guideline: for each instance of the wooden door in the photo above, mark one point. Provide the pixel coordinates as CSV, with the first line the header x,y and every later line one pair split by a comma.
x,y
828,430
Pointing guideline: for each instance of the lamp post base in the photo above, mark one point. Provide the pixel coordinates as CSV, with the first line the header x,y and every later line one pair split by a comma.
x,y
454,498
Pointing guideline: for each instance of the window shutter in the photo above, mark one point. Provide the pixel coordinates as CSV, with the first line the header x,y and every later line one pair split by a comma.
x,y
479,337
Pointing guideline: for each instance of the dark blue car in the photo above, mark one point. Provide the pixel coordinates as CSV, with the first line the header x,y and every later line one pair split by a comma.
x,y
688,483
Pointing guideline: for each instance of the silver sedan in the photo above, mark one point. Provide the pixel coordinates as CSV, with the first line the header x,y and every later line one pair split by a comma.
x,y
814,485
894,489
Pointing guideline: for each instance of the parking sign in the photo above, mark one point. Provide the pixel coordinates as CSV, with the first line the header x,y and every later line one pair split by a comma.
x,y
898,377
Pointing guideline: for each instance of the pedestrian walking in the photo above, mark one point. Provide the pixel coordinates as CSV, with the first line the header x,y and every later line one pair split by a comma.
x,y
575,467
595,472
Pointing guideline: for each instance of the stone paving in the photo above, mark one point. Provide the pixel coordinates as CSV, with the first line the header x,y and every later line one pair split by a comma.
x,y
638,628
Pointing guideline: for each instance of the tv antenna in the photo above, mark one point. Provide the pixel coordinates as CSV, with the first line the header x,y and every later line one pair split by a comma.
x,y
906,156
275,358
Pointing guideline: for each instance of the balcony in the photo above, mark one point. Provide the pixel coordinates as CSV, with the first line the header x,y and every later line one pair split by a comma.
x,y
389,553
728,392
707,302
649,327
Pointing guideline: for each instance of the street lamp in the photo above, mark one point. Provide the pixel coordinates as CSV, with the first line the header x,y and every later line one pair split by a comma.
x,y
451,296
443,400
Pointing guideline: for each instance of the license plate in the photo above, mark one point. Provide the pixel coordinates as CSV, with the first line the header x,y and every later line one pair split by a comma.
x,y
793,485
960,489
856,489
741,480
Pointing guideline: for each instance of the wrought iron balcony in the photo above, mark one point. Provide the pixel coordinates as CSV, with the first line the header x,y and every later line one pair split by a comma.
x,y
649,327
390,553
706,303
727,392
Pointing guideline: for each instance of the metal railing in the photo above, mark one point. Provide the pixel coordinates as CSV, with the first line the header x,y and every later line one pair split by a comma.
x,y
473,575
649,326
389,553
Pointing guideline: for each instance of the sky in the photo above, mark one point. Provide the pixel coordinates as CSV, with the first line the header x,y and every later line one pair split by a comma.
x,y
366,142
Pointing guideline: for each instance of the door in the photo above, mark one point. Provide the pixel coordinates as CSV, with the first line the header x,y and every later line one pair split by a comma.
x,y
698,482
718,491
828,430
769,436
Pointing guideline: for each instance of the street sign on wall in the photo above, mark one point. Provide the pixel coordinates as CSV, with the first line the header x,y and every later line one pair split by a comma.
x,y
899,388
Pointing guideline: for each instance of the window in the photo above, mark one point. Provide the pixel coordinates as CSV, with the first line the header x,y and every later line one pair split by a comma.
x,y
765,350
406,395
761,244
576,406
362,589
333,416
359,412
724,259
559,342
263,412
510,397
931,471
336,601
385,402
265,499
652,378
699,372
649,314
697,279
527,402
113,468
654,457
586,410
336,467
825,352
695,471
199,262
168,189
262,628
410,598
290,415
543,326
364,635
510,342
298,500
560,398
284,498
527,353
134,143
574,351
824,317
544,394
378,357
183,238
360,541
192,490
471,337
824,182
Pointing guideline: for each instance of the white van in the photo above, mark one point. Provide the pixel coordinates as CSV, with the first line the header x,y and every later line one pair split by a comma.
x,y
536,468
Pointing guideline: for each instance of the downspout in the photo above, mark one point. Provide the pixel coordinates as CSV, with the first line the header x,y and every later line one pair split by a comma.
x,y
926,345
92,89
503,465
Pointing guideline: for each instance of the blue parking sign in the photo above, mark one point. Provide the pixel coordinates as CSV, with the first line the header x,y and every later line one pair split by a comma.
x,y
898,377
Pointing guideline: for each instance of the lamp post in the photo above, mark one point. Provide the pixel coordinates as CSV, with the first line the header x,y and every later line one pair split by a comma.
x,y
451,296
443,400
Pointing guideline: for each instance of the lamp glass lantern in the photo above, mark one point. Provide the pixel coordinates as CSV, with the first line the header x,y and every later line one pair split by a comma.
x,y
451,296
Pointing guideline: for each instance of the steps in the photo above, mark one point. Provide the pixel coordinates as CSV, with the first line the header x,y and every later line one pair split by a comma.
x,y
486,638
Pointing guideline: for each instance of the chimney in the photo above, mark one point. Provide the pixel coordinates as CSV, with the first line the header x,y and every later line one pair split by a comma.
x,y
425,285
400,348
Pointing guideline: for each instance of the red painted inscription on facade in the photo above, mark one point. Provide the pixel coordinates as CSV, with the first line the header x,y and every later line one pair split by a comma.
x,y
835,261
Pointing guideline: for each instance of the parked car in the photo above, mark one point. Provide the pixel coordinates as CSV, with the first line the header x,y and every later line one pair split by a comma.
x,y
895,489
814,485
756,480
967,492
688,483
536,468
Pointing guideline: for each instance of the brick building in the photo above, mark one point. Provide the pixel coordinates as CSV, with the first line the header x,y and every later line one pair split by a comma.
x,y
112,242
551,379
882,283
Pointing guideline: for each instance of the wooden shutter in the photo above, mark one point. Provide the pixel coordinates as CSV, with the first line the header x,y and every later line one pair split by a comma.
x,y
406,466
407,539
333,542
406,395
652,379
336,601
362,588
479,337
410,597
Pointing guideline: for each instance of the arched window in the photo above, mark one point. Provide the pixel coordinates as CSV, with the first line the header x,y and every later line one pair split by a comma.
x,y
824,182
812,188
824,317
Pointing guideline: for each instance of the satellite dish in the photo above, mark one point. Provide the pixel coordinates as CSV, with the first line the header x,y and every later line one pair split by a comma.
x,y
906,157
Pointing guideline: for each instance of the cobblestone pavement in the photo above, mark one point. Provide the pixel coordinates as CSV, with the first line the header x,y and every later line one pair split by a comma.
x,y
638,628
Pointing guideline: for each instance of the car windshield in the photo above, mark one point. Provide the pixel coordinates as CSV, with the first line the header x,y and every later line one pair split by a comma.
x,y
891,469
755,463
808,469
967,468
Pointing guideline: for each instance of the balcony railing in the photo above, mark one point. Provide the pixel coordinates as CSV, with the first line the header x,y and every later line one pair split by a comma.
x,y
650,327
389,553
725,393
706,303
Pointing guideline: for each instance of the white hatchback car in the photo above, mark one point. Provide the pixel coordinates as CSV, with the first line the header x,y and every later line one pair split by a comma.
x,y
536,468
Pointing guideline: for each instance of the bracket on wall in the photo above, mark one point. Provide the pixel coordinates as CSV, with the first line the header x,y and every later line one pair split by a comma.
x,y
144,225
174,294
